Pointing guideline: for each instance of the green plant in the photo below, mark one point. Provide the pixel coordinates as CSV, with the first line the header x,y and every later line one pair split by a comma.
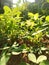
x,y
18,36
32,58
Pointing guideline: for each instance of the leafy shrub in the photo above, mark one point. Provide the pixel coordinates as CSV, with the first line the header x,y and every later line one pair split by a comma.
x,y
23,36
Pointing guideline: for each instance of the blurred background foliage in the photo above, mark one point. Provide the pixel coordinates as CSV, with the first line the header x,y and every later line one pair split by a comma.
x,y
40,6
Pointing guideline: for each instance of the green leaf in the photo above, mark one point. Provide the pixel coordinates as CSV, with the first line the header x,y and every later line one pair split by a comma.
x,y
6,9
44,63
36,16
39,31
24,63
47,18
32,57
47,1
30,14
41,58
4,59
16,53
43,48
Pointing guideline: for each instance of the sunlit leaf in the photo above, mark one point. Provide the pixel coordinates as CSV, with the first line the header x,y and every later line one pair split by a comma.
x,y
6,9
4,59
41,58
30,14
43,48
16,53
47,1
30,23
47,18
36,16
32,57
39,31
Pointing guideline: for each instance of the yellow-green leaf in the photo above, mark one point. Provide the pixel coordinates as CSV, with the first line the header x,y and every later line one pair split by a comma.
x,y
36,16
47,18
41,58
30,14
32,57
6,9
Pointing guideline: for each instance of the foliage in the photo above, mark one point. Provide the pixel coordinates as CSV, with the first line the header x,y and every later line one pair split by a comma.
x,y
41,6
44,62
45,8
24,63
32,58
18,36
4,58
